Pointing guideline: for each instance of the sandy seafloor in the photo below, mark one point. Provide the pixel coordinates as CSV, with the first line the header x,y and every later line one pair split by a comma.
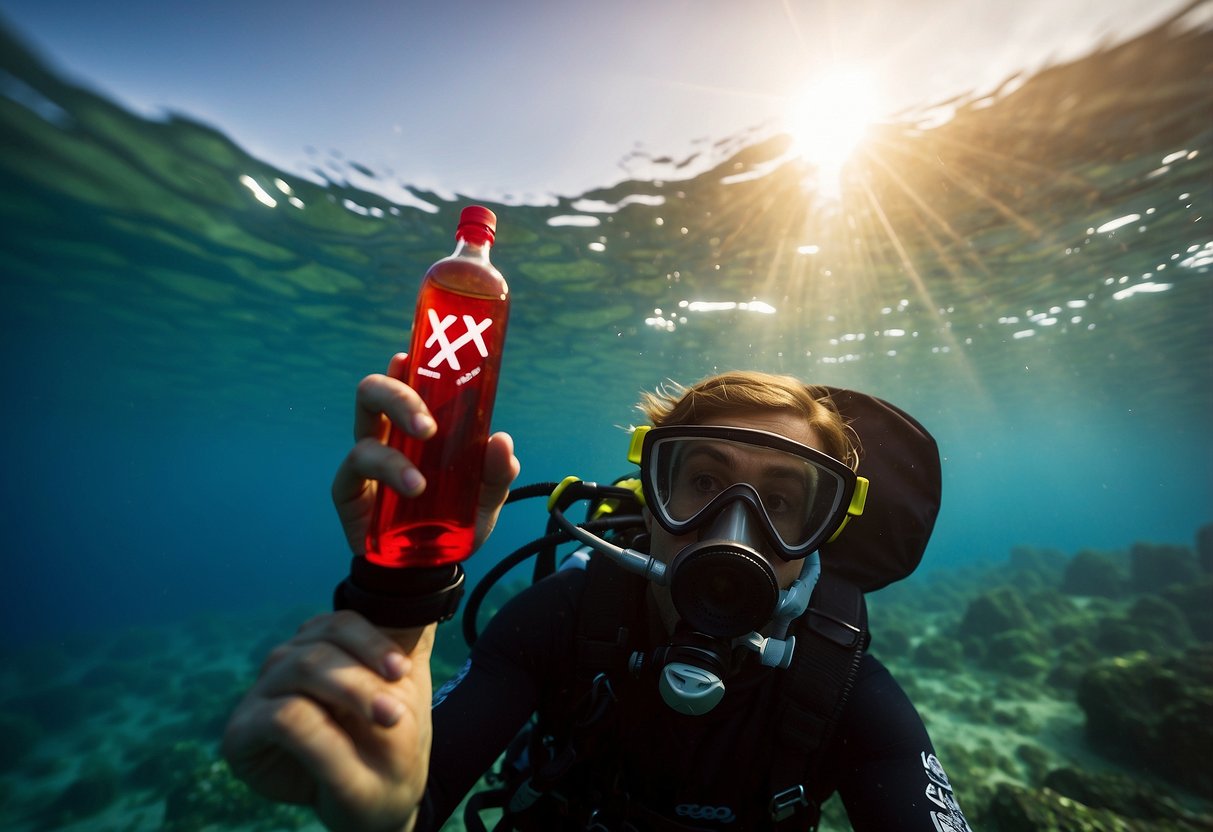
x,y
119,731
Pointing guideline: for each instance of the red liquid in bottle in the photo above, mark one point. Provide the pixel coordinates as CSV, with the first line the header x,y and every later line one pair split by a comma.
x,y
454,361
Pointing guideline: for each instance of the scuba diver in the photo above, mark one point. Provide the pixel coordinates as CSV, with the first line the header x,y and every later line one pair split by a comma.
x,y
698,663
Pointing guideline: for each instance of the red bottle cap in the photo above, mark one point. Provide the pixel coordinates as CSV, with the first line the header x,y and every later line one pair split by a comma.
x,y
477,224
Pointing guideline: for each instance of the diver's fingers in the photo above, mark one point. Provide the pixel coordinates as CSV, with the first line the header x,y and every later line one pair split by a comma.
x,y
381,396
398,365
359,638
501,468
324,673
371,460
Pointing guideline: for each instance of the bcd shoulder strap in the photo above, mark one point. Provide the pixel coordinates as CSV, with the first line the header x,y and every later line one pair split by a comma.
x,y
609,613
831,639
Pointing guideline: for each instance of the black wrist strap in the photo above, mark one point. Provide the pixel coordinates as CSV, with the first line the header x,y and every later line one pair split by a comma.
x,y
400,596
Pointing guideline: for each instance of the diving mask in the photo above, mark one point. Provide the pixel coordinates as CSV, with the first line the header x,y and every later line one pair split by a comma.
x,y
799,495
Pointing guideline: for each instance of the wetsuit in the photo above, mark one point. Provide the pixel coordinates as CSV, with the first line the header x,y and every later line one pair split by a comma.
x,y
704,772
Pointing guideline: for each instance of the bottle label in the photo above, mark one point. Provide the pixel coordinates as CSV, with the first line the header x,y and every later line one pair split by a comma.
x,y
450,334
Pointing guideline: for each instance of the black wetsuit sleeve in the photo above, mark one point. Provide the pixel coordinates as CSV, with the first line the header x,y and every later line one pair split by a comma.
x,y
483,708
888,775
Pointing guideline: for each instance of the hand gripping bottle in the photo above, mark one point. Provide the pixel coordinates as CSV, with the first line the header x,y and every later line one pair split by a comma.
x,y
411,574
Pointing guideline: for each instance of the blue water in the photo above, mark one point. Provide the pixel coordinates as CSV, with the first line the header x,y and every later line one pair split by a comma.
x,y
180,358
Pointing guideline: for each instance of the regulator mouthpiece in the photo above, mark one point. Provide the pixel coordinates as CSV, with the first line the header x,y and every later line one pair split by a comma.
x,y
723,586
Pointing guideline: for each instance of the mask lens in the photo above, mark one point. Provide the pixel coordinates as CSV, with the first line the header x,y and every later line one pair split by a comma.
x,y
798,495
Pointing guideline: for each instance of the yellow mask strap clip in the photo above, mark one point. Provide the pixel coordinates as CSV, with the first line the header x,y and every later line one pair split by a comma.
x,y
858,499
637,443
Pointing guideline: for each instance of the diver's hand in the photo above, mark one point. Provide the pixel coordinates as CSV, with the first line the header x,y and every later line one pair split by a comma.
x,y
382,401
339,720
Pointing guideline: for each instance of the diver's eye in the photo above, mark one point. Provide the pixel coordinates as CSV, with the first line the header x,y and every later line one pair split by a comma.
x,y
777,505
705,483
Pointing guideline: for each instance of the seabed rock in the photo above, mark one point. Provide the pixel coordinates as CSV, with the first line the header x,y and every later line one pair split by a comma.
x,y
995,612
1128,796
1071,663
1155,714
1093,573
1016,809
1193,600
1156,566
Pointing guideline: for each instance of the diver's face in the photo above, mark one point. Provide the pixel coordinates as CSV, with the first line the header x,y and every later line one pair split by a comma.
x,y
748,468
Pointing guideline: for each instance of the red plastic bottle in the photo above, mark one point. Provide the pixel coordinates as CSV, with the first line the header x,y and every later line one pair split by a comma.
x,y
454,360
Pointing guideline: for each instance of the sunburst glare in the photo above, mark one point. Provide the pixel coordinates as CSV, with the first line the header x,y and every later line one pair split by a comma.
x,y
828,119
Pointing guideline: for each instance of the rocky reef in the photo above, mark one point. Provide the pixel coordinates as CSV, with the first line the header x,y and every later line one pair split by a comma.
x,y
1064,692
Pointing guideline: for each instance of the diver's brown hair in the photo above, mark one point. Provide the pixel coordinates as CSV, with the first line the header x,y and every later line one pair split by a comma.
x,y
739,391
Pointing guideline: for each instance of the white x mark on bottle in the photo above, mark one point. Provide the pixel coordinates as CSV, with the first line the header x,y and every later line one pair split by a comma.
x,y
447,348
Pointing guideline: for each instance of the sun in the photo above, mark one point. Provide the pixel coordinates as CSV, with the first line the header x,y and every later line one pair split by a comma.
x,y
829,117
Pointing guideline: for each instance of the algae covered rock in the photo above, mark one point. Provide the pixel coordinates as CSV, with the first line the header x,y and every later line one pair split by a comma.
x,y
1072,662
1050,605
999,631
1194,602
1036,567
1127,796
995,612
1093,573
1016,809
1162,615
1152,624
1156,714
1119,636
1020,653
1156,566
1035,761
